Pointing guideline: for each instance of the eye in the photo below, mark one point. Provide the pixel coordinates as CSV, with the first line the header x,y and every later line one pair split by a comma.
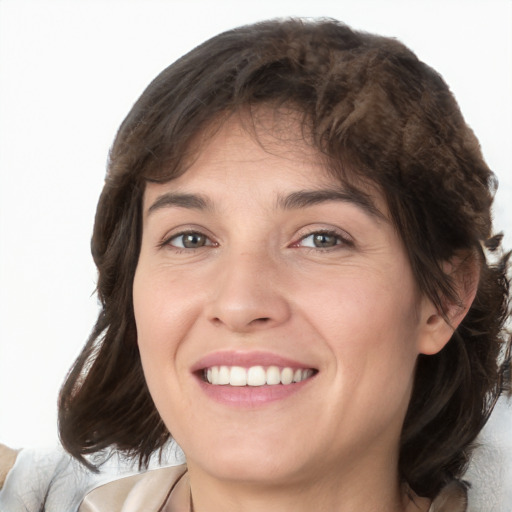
x,y
189,240
322,240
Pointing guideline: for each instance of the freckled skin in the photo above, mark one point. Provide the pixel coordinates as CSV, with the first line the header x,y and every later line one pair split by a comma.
x,y
257,280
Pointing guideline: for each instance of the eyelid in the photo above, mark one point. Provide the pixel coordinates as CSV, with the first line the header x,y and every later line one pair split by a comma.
x,y
186,230
344,238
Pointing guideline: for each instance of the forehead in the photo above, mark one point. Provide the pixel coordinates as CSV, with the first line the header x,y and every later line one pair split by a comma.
x,y
251,141
260,137
262,154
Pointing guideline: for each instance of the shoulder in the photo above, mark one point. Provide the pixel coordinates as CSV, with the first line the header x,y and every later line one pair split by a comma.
x,y
126,494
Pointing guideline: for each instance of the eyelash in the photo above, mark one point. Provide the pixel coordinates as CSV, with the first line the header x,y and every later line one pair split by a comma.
x,y
341,240
168,241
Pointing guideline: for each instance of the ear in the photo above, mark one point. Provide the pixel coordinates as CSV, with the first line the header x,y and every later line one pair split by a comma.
x,y
437,327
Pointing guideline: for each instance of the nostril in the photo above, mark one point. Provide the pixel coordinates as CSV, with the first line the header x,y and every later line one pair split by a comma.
x,y
262,320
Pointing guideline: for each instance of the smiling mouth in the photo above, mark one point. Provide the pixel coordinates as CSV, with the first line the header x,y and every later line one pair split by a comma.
x,y
255,375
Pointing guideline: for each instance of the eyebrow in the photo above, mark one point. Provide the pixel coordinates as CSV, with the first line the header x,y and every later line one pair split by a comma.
x,y
190,201
305,198
292,201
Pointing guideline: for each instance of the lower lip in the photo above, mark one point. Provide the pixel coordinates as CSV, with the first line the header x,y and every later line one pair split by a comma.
x,y
251,396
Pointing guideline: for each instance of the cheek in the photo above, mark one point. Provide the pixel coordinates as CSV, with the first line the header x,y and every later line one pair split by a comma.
x,y
159,328
162,310
365,307
371,327
157,332
166,310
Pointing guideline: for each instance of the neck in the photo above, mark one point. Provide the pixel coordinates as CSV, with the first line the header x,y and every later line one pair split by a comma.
x,y
341,491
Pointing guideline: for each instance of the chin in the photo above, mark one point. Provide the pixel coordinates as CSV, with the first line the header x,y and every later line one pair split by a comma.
x,y
253,463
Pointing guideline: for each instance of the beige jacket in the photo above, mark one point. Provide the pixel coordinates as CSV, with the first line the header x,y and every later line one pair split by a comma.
x,y
167,490
158,490
7,460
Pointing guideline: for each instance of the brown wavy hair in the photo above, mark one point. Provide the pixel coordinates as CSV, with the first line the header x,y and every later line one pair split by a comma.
x,y
377,114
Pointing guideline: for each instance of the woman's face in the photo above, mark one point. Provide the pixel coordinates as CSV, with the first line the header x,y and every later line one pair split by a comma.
x,y
257,265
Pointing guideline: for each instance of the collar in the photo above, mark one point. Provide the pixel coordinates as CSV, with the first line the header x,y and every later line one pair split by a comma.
x,y
168,490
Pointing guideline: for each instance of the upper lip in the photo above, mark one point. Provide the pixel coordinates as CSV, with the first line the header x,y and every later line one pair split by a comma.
x,y
246,360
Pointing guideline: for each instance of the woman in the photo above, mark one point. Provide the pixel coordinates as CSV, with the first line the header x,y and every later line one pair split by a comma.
x,y
293,244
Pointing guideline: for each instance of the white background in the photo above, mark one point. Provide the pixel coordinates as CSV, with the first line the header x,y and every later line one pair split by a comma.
x,y
69,72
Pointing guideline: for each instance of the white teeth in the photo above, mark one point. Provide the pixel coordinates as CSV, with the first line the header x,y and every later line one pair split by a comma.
x,y
273,375
287,376
255,375
237,376
224,375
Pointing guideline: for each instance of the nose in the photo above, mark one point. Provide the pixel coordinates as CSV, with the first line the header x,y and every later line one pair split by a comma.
x,y
248,294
